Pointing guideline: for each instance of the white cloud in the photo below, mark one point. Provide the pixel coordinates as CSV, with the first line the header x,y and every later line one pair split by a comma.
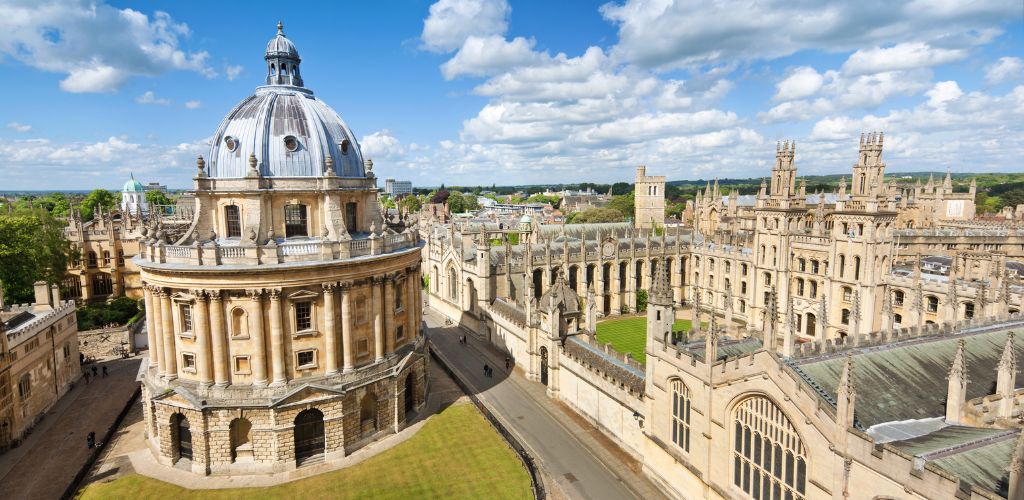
x,y
451,22
663,34
97,46
150,98
19,127
232,72
1003,70
482,56
903,56
942,93
381,145
193,104
801,82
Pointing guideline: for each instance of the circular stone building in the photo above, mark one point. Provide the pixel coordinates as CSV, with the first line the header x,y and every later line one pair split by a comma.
x,y
284,319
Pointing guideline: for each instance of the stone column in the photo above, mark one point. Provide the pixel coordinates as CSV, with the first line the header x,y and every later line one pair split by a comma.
x,y
200,320
259,339
378,319
389,313
411,311
348,354
152,334
219,340
332,330
167,329
276,337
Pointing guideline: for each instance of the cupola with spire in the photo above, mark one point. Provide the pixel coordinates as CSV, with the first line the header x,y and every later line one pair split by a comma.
x,y
282,60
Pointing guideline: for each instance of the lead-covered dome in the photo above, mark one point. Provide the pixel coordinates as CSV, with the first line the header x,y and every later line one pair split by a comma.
x,y
290,131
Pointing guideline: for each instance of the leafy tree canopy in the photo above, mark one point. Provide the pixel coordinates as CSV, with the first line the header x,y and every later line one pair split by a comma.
x,y
595,215
32,248
98,198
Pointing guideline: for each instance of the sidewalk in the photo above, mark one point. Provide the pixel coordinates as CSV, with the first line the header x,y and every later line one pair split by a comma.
x,y
50,458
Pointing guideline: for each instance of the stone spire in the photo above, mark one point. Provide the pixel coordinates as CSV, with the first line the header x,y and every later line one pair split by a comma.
x,y
661,292
789,335
1006,377
771,314
1016,469
956,392
846,394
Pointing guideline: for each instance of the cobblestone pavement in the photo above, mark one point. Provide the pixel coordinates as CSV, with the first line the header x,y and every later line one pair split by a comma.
x,y
47,462
128,452
580,461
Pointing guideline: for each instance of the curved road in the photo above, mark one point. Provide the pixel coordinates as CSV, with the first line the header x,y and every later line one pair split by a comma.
x,y
581,470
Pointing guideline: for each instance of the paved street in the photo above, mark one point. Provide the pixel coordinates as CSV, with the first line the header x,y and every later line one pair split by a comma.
x,y
570,454
48,460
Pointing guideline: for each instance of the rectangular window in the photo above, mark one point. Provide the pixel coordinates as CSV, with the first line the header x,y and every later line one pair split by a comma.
x,y
188,361
303,315
242,365
363,346
233,221
399,293
25,385
295,221
400,332
306,359
350,217
186,318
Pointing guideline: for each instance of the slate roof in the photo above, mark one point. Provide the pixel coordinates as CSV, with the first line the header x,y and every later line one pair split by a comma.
x,y
979,456
907,381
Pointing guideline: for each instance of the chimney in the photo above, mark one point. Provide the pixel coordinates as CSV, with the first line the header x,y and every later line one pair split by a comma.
x,y
55,295
42,293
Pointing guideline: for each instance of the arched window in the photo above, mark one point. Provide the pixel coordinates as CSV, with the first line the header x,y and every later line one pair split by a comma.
x,y
92,259
239,323
842,265
368,413
453,284
768,455
681,415
856,267
897,320
897,297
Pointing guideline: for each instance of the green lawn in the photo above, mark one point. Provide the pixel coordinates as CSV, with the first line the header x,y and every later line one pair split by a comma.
x,y
455,455
630,334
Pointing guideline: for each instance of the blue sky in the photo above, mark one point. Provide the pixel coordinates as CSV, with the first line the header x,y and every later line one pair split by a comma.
x,y
493,91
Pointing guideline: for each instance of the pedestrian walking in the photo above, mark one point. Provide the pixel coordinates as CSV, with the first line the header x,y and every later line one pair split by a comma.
x,y
86,378
90,440
104,371
506,362
486,369
94,371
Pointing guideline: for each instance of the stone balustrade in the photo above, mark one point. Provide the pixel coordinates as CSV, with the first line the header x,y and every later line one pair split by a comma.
x,y
210,254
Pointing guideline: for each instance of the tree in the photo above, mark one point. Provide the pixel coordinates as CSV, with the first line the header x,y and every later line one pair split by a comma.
x,y
99,198
440,196
623,203
456,203
412,204
596,215
552,200
32,248
641,300
471,205
156,197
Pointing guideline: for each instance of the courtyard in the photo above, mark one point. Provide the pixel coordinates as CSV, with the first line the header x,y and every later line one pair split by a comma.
x,y
630,334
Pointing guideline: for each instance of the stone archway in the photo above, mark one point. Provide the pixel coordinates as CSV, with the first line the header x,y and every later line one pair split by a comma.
x,y
241,440
309,436
410,396
182,434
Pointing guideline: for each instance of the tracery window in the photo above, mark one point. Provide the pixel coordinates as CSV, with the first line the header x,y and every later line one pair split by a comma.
x,y
768,456
681,415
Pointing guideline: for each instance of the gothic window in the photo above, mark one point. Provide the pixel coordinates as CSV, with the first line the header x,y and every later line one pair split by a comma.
x,y
743,287
92,259
768,456
453,284
897,298
814,266
102,285
847,294
799,322
800,286
711,264
846,317
295,221
842,265
25,385
767,279
803,265
933,303
743,269
856,268
232,221
728,284
743,306
728,266
897,320
968,310
106,258
814,289
681,415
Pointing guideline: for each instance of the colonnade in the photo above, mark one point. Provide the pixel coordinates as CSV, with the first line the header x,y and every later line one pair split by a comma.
x,y
210,336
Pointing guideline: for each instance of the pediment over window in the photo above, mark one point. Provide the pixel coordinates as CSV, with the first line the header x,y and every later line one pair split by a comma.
x,y
302,294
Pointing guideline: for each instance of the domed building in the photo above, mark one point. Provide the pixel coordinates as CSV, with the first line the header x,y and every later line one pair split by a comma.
x,y
133,196
284,322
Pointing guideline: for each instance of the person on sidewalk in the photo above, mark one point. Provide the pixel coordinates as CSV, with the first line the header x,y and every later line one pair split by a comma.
x,y
87,377
104,371
507,364
94,371
486,369
90,440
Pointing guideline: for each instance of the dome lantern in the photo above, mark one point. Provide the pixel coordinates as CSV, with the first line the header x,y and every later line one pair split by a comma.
x,y
282,60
